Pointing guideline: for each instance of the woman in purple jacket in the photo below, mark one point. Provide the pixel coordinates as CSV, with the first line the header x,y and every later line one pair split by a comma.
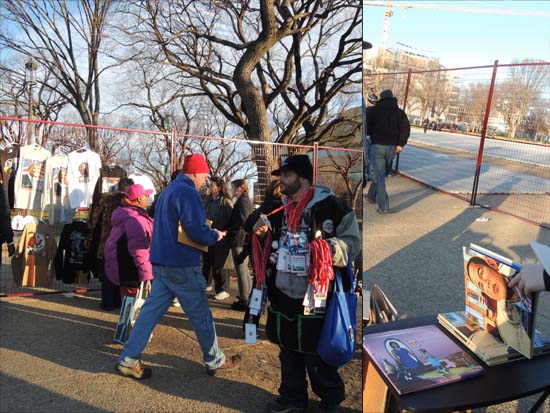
x,y
127,248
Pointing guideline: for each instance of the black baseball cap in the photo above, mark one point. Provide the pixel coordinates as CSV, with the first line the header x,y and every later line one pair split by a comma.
x,y
297,163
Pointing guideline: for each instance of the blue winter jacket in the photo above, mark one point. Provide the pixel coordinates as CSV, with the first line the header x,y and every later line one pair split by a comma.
x,y
180,201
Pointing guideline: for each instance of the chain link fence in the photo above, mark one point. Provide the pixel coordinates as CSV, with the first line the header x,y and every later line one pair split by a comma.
x,y
158,155
481,133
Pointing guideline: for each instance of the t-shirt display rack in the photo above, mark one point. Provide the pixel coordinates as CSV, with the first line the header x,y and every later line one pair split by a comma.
x,y
50,198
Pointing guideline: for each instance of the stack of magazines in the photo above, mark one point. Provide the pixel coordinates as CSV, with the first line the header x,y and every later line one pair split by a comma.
x,y
498,323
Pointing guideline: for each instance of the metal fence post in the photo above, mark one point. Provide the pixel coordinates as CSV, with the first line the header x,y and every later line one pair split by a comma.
x,y
405,99
483,134
315,161
173,151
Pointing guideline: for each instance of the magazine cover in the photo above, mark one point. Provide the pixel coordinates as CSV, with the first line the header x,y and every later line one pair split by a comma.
x,y
498,309
419,358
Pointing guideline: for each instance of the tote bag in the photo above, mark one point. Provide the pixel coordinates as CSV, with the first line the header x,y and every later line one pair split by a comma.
x,y
338,336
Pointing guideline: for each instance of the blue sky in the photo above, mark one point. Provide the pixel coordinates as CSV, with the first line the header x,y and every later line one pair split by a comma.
x,y
461,39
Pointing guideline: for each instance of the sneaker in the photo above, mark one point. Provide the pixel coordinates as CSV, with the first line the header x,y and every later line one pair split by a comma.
x,y
130,367
222,295
280,405
208,289
175,303
232,363
383,211
238,306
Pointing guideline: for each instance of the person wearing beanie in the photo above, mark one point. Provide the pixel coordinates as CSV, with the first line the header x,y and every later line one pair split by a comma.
x,y
311,215
98,229
177,272
127,247
389,129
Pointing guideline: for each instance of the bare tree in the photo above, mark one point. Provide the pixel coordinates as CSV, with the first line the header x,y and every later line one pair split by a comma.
x,y
65,39
248,57
473,100
516,95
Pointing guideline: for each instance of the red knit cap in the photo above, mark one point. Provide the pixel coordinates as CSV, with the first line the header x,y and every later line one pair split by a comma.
x,y
195,164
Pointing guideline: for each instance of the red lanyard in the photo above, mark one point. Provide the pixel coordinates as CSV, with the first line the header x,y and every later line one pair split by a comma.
x,y
294,210
260,256
321,269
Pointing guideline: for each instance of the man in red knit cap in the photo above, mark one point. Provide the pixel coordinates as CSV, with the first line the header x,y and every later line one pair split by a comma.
x,y
177,272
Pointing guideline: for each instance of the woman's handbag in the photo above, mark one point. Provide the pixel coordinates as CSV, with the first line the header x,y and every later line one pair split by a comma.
x,y
338,336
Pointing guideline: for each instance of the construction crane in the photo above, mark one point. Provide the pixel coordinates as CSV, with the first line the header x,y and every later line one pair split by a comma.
x,y
388,4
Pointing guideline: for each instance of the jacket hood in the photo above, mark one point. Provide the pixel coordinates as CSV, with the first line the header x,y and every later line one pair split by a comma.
x,y
122,213
387,103
320,192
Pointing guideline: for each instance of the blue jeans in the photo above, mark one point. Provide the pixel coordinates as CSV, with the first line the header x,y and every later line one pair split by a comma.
x,y
382,158
325,380
187,284
367,159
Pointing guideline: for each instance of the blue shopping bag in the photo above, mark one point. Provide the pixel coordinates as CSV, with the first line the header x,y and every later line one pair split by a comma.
x,y
339,333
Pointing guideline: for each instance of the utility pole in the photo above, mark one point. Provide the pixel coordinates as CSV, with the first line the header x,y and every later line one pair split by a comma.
x,y
30,67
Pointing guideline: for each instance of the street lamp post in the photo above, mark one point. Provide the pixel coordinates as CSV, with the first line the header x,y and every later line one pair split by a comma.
x,y
30,67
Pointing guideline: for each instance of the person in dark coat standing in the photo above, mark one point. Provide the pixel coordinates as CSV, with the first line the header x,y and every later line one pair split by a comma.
x,y
6,233
218,209
241,211
389,130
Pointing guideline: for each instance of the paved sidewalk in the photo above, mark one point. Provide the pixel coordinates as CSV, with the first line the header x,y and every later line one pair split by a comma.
x,y
57,355
415,253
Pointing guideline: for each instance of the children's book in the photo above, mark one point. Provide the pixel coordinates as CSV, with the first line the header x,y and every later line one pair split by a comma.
x,y
419,358
485,345
498,309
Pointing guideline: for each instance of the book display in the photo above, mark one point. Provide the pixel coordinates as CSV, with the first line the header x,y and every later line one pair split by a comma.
x,y
498,323
419,358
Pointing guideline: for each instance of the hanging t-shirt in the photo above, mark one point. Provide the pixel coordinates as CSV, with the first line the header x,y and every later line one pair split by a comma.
x,y
82,176
56,192
146,183
29,180
71,253
109,177
35,252
9,159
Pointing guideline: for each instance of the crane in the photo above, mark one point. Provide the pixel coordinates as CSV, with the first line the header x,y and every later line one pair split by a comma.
x,y
388,4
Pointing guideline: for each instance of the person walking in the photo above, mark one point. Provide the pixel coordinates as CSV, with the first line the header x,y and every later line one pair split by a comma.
x,y
241,210
218,210
127,247
319,225
177,272
389,129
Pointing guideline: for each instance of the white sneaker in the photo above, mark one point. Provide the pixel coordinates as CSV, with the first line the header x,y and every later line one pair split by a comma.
x,y
208,289
175,303
222,295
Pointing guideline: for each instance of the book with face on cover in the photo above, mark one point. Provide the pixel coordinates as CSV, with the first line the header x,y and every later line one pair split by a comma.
x,y
498,309
419,358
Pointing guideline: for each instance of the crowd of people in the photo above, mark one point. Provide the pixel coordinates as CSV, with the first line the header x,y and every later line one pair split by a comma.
x,y
137,243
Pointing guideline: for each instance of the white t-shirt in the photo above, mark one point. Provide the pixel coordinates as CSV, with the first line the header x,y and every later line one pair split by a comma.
x,y
29,180
82,176
146,183
56,193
